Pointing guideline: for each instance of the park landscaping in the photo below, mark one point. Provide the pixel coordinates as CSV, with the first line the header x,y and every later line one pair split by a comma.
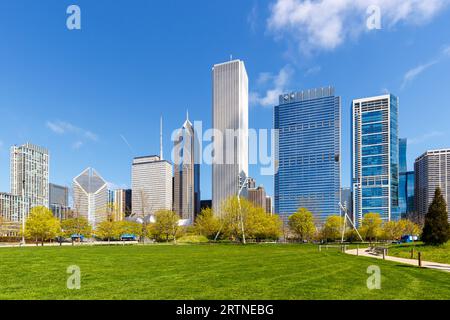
x,y
439,254
209,271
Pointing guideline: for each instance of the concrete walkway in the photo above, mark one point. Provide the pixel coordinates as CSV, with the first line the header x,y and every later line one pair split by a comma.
x,y
412,262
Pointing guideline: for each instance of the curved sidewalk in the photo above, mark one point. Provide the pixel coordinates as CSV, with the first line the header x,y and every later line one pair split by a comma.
x,y
425,264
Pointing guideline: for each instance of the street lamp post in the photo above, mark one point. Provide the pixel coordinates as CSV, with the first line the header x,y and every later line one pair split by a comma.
x,y
240,208
23,213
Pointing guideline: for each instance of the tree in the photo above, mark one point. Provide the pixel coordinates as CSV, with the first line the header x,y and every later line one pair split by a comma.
x,y
332,229
76,227
234,214
302,225
371,226
107,230
392,230
166,225
207,224
129,228
409,228
260,225
41,225
437,229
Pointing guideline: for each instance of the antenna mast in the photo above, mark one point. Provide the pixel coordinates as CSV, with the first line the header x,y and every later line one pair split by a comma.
x,y
161,155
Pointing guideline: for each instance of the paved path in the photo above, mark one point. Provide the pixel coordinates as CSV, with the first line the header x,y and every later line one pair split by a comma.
x,y
413,262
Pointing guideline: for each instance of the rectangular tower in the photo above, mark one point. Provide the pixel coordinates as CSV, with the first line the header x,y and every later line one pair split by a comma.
x,y
30,174
432,171
375,157
230,120
308,152
151,181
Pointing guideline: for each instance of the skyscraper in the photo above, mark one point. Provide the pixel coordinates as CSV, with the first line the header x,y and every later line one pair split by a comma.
x,y
308,152
151,184
405,182
375,157
30,174
120,203
432,170
90,197
186,173
257,196
230,120
59,200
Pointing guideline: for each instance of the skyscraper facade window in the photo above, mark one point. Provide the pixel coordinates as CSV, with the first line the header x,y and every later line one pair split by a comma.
x,y
375,157
230,121
432,171
308,152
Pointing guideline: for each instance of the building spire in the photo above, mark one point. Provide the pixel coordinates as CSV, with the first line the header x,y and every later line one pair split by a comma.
x,y
161,154
187,114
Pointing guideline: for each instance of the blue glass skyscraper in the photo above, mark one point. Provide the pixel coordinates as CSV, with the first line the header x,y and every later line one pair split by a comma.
x,y
406,183
375,157
308,153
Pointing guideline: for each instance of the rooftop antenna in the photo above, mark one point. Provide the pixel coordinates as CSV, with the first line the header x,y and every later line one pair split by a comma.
x,y
231,57
161,155
187,114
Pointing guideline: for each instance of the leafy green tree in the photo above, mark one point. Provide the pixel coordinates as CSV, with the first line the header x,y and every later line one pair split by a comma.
x,y
41,225
262,226
392,230
332,229
302,225
371,226
129,227
166,225
234,218
207,224
108,230
76,226
408,227
437,229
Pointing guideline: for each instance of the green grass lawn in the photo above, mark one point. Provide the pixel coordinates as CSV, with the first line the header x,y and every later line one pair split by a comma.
x,y
209,272
429,253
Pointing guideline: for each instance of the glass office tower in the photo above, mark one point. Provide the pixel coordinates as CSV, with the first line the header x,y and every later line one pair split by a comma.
x,y
375,157
308,153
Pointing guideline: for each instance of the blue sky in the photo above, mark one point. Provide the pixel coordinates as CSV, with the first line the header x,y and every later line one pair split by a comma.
x,y
94,96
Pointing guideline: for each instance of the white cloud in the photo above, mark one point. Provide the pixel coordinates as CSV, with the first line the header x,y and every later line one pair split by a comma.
x,y
327,24
77,145
61,127
425,137
277,85
413,73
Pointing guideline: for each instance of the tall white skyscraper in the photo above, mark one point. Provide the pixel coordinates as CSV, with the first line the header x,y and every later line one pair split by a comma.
x,y
151,181
90,197
230,120
30,174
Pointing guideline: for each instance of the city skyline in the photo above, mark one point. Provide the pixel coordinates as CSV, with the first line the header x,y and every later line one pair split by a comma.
x,y
36,106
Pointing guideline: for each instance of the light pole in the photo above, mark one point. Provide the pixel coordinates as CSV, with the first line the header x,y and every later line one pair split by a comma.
x,y
23,213
244,185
